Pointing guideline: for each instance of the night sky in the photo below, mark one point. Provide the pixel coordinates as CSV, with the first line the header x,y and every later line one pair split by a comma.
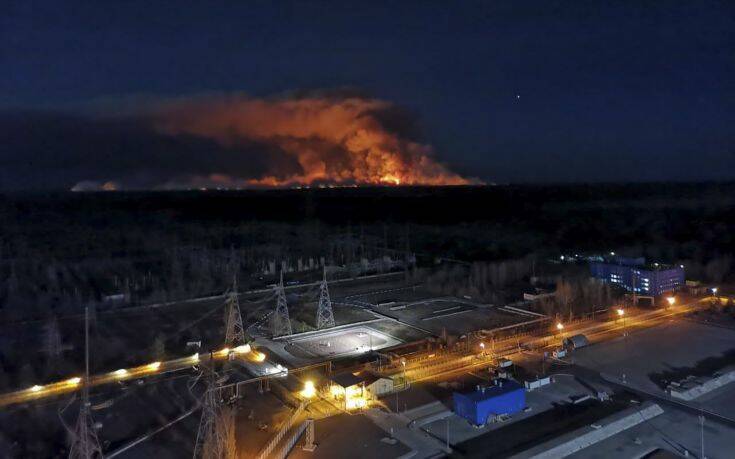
x,y
542,91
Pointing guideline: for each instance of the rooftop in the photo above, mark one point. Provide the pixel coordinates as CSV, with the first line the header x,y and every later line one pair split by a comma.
x,y
503,386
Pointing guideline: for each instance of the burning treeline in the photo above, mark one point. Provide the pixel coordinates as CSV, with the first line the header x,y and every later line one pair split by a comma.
x,y
324,139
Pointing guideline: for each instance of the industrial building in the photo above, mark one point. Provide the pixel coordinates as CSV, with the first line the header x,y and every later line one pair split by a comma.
x,y
355,390
483,405
634,275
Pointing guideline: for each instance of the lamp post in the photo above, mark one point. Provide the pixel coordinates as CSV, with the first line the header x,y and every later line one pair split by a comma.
x,y
714,291
403,363
482,346
621,314
671,300
560,327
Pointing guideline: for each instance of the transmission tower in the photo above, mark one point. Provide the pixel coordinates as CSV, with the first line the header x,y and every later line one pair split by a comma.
x,y
324,314
234,331
216,435
85,444
281,320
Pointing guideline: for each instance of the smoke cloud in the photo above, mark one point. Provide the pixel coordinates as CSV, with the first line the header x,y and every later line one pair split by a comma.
x,y
235,141
331,138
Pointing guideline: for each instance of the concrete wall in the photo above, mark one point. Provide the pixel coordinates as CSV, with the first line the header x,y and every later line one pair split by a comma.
x,y
580,439
698,391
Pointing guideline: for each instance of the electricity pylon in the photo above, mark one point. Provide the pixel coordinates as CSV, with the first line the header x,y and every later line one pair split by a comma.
x,y
234,331
324,314
216,434
281,319
85,444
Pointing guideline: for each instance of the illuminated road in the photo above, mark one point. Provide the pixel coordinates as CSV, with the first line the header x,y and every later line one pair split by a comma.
x,y
423,369
125,374
447,366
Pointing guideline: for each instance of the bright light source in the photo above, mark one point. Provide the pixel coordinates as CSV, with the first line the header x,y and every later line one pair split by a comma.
x,y
225,351
482,345
244,349
195,357
259,356
714,290
36,388
561,258
120,373
74,381
309,389
621,312
355,402
612,253
153,366
559,326
671,300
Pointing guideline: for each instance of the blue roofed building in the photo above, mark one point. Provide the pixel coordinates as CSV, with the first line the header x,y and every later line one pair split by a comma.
x,y
486,403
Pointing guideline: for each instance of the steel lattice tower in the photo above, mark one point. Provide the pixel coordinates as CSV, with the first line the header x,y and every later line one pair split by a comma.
x,y
216,434
85,444
324,314
234,331
281,319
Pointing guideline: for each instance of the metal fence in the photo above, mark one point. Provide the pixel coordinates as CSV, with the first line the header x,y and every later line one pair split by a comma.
x,y
271,446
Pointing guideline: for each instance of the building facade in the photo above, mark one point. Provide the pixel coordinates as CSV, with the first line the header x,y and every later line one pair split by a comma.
x,y
486,403
653,280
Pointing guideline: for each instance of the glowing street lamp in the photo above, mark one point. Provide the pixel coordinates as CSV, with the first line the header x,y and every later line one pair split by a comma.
x,y
714,291
621,313
309,390
36,388
560,327
482,346
671,300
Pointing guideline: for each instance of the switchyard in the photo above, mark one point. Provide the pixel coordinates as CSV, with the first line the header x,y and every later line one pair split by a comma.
x,y
346,341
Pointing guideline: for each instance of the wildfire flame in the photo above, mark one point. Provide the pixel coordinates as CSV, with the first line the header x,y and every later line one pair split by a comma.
x,y
332,140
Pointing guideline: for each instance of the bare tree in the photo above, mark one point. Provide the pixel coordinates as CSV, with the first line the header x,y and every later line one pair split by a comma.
x,y
52,339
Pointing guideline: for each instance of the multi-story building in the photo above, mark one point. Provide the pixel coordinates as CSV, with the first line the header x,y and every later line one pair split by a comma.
x,y
636,276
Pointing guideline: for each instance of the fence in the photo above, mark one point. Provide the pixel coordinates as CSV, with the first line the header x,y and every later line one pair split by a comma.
x,y
266,452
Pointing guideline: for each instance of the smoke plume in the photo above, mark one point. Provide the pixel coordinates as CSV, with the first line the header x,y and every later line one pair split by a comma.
x,y
340,139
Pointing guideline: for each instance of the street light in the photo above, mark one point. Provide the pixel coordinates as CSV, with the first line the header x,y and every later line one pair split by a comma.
x,y
671,300
560,327
714,291
482,346
621,313
309,390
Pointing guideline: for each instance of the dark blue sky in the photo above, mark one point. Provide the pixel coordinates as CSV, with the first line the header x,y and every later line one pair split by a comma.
x,y
640,90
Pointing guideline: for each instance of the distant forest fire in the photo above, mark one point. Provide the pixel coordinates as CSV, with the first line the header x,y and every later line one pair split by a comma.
x,y
317,139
